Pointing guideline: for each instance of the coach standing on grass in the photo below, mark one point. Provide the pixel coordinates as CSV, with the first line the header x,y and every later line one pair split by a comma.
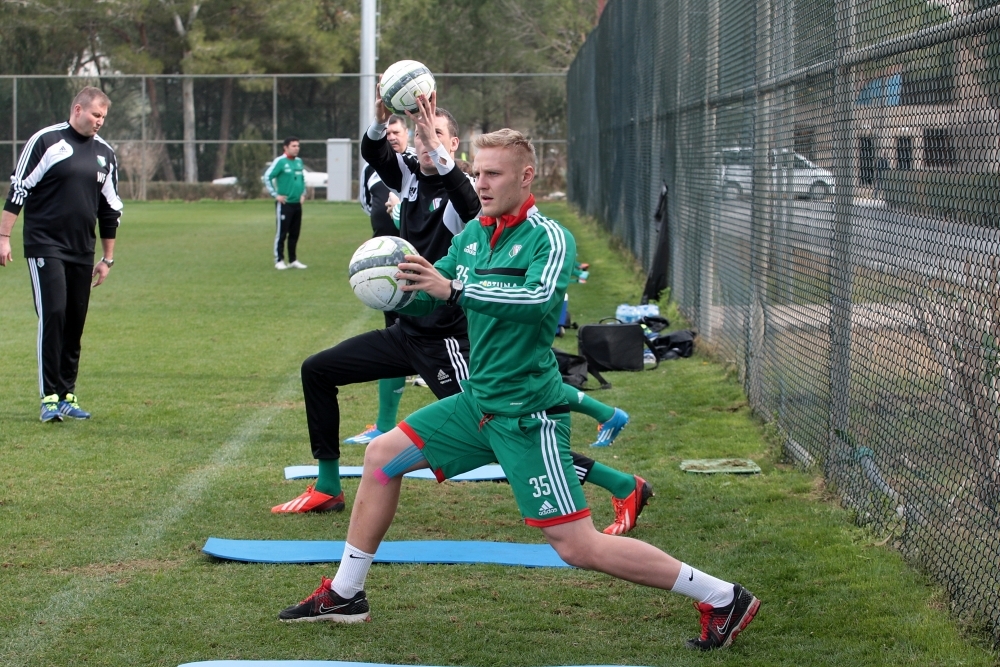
x,y
285,181
66,177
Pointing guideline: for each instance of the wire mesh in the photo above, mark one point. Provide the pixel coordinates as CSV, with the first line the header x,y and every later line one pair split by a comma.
x,y
833,171
240,121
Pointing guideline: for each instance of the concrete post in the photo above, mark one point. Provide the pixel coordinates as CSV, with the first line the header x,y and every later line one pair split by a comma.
x,y
338,170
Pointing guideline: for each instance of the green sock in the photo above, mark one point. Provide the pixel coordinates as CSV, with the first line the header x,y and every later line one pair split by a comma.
x,y
618,483
390,392
580,402
328,481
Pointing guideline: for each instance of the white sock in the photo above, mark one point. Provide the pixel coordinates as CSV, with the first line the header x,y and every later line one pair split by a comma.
x,y
702,587
353,571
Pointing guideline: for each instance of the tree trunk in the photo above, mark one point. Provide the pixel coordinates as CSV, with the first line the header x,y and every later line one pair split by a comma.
x,y
227,114
159,151
190,153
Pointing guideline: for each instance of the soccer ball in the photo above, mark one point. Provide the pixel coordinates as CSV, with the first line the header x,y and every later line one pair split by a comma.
x,y
402,82
373,272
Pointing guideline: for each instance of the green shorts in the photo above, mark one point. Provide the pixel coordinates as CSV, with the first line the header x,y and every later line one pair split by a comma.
x,y
533,450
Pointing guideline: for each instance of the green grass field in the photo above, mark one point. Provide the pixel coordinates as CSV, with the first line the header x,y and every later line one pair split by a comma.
x,y
190,365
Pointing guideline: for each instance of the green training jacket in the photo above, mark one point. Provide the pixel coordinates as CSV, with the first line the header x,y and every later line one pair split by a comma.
x,y
284,177
515,277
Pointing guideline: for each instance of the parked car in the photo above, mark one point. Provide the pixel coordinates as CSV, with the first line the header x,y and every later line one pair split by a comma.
x,y
313,179
735,167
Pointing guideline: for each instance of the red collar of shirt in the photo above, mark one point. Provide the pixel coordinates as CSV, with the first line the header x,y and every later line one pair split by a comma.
x,y
507,221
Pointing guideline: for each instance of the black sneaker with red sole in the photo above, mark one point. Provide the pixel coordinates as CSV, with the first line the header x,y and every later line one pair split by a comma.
x,y
720,625
325,605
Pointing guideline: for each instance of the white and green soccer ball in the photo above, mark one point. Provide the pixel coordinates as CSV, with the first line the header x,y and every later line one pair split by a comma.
x,y
373,272
402,82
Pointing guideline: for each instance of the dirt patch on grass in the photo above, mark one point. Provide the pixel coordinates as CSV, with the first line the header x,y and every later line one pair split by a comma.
x,y
284,405
123,567
820,491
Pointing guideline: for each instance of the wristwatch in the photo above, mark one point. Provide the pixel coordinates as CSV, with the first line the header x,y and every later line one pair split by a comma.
x,y
456,292
109,262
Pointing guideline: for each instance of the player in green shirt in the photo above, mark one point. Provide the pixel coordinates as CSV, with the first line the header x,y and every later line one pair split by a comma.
x,y
284,179
509,273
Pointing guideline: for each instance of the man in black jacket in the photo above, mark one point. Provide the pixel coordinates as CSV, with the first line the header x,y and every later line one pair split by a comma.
x,y
377,200
65,179
435,206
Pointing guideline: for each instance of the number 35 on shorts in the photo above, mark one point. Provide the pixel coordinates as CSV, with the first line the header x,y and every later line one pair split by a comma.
x,y
541,485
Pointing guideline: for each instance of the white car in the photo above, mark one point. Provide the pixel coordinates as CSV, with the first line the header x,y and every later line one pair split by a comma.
x,y
807,178
313,179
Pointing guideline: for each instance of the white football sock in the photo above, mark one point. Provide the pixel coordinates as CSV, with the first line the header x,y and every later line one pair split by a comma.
x,y
702,587
353,571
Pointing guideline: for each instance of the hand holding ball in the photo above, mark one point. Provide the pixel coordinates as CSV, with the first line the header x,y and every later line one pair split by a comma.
x,y
373,272
402,83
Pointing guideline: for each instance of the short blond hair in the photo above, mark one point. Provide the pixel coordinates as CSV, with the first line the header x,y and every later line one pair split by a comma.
x,y
88,96
508,138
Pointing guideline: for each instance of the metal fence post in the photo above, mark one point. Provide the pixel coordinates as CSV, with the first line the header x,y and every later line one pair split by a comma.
x,y
13,125
709,148
274,116
840,247
760,213
142,173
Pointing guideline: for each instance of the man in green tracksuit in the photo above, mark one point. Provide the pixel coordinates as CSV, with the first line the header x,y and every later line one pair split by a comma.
x,y
509,273
284,179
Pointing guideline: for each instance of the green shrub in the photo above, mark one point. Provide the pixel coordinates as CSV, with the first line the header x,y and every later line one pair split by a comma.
x,y
247,163
166,191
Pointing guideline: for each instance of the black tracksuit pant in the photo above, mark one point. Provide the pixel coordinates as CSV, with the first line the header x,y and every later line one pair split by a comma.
x,y
288,224
381,355
377,355
62,295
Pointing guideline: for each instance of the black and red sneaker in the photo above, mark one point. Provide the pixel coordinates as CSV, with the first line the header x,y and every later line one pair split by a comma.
x,y
325,605
720,625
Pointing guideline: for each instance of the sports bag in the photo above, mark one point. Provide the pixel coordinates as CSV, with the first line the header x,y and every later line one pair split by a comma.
x,y
674,345
572,367
611,346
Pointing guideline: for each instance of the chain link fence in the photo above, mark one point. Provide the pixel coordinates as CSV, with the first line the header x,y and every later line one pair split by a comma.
x,y
833,177
239,122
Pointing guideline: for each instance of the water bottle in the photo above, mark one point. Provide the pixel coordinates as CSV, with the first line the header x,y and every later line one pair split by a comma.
x,y
626,313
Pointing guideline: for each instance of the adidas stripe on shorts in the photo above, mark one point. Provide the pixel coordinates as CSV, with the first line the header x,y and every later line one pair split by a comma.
x,y
533,450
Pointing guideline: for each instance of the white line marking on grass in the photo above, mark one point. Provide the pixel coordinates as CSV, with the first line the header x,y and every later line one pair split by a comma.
x,y
66,605
70,602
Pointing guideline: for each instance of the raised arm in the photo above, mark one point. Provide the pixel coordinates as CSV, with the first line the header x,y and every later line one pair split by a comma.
x,y
376,151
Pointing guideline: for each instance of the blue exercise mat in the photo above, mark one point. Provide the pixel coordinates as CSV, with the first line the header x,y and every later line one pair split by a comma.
x,y
301,663
490,473
418,551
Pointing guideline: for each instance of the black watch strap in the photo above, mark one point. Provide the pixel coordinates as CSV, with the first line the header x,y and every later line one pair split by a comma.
x,y
456,292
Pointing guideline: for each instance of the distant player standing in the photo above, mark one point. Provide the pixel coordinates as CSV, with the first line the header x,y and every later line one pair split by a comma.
x,y
284,179
509,273
65,179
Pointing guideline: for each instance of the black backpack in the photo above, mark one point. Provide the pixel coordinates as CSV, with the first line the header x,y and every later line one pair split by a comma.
x,y
572,367
674,345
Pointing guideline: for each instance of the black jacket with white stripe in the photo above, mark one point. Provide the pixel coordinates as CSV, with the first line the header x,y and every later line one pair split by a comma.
x,y
374,195
65,181
433,210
